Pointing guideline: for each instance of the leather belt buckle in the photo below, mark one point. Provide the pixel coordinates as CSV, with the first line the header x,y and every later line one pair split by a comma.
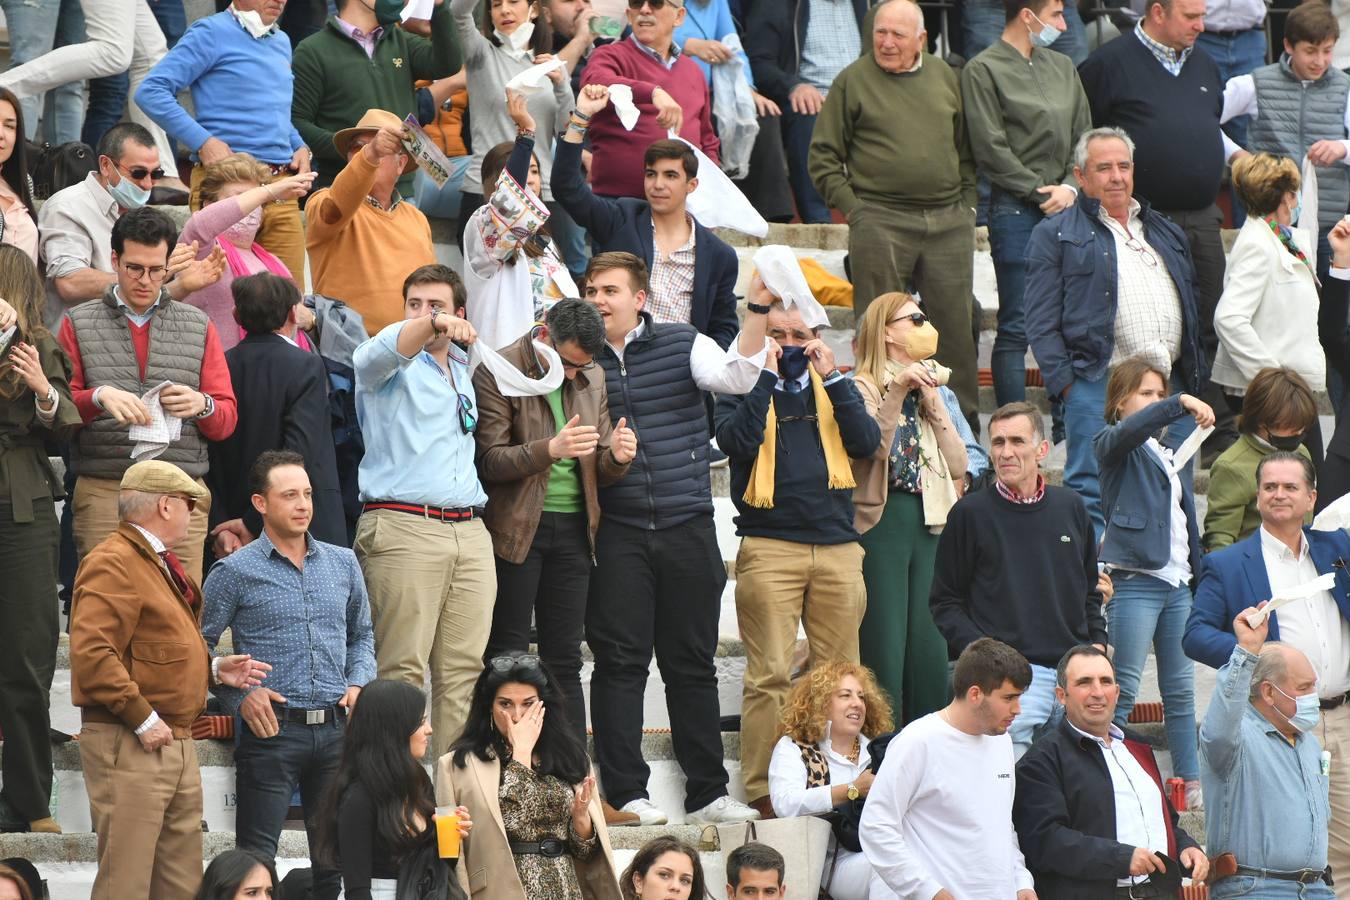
x,y
316,716
552,848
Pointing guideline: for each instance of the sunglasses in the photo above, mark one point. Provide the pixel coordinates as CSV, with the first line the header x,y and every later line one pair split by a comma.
x,y
138,173
568,364
654,4
190,501
916,318
464,406
504,664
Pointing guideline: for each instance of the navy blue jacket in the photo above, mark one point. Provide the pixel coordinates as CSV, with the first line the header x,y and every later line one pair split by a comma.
x,y
1071,294
1234,578
1137,491
774,33
626,224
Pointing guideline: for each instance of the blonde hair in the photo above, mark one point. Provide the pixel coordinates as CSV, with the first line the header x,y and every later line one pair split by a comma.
x,y
804,715
1262,179
21,285
870,355
235,167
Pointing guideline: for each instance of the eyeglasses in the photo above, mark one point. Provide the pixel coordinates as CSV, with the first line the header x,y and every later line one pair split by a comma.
x,y
464,406
504,664
1138,247
917,318
138,173
138,271
568,364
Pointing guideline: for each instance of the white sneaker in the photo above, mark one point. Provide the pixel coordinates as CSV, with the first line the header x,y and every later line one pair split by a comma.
x,y
648,813
723,811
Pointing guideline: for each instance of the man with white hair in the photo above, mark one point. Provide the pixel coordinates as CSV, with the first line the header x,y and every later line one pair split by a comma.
x,y
1107,279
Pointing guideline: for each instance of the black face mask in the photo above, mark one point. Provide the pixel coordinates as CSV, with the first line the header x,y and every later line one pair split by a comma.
x,y
793,363
1287,443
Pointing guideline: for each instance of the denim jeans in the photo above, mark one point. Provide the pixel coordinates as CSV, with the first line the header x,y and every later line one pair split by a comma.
x,y
1253,887
267,772
1240,54
1010,225
570,238
1039,709
35,27
983,22
811,207
440,202
1148,612
1082,420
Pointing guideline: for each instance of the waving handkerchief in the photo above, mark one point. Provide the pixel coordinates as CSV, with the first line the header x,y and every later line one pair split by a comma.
x,y
1284,597
717,203
783,277
621,95
512,381
535,78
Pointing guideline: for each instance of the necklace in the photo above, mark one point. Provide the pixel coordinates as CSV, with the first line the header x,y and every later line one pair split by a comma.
x,y
856,751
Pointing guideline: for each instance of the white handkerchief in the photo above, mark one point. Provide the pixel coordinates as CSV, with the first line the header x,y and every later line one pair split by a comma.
x,y
621,96
1183,454
153,439
511,381
1289,595
717,203
418,9
782,275
535,78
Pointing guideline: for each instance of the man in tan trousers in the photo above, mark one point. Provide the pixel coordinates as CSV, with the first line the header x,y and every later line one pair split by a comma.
x,y
139,673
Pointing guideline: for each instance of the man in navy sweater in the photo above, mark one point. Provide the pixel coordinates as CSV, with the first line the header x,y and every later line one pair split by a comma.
x,y
790,440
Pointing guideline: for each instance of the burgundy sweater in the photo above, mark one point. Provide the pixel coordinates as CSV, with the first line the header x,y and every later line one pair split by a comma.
x,y
617,168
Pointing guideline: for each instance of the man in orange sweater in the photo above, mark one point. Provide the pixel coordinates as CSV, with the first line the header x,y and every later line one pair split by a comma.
x,y
363,238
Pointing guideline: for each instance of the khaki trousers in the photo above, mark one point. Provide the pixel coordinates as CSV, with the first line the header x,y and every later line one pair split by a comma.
x,y
778,585
432,585
1334,733
95,514
147,813
282,232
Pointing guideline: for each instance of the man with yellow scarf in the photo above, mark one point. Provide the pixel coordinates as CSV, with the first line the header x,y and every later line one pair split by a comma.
x,y
789,441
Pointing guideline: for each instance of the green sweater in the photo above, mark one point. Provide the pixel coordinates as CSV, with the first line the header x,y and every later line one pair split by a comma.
x,y
1024,116
336,83
893,139
1231,515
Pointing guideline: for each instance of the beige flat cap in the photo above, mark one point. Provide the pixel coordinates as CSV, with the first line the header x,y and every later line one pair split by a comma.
x,y
154,476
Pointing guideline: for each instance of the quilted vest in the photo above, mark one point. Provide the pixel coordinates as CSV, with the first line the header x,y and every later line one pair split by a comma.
x,y
1292,116
177,345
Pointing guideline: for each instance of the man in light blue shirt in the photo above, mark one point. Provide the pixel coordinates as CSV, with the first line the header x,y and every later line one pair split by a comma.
x,y
1265,783
420,540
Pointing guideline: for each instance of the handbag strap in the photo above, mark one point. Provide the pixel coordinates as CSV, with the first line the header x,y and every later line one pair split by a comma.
x,y
829,879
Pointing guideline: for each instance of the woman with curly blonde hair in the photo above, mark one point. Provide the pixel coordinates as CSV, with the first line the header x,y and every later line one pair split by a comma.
x,y
821,759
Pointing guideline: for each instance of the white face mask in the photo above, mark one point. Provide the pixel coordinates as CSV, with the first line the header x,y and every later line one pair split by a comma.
x,y
252,21
518,40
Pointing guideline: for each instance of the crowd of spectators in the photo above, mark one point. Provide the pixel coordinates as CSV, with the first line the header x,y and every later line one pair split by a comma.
x,y
366,505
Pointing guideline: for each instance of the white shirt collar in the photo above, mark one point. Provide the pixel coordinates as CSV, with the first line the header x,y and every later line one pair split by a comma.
x,y
155,543
1277,548
1113,730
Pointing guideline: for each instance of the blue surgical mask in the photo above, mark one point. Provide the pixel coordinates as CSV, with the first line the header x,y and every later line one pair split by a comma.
x,y
1307,710
1298,210
1046,36
792,364
128,194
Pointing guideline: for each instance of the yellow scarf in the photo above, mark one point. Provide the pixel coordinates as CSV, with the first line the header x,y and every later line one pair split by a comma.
x,y
759,491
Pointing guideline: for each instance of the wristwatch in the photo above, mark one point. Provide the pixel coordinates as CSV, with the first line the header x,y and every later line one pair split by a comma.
x,y
434,314
210,406
757,308
853,792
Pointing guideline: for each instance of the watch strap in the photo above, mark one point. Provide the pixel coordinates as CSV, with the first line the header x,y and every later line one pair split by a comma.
x,y
758,308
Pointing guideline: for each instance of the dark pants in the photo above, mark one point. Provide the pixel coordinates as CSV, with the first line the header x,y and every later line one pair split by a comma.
x,y
108,95
1334,480
29,624
267,772
468,205
811,207
1010,225
1236,54
663,590
765,183
551,583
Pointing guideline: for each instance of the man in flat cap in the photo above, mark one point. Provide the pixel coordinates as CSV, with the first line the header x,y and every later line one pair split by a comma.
x,y
139,673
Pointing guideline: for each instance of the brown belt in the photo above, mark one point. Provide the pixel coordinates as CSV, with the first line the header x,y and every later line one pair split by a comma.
x,y
102,716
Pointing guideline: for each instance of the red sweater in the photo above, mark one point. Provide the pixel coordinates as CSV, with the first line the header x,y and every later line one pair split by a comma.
x,y
617,167
215,378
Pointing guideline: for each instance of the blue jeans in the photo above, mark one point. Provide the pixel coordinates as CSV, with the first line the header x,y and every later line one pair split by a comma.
x,y
35,27
982,22
171,17
570,238
108,95
441,202
1039,709
1144,612
1082,420
1241,54
1251,887
267,772
811,207
1010,225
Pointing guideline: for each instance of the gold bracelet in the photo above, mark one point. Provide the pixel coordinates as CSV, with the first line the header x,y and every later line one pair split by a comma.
x,y
268,188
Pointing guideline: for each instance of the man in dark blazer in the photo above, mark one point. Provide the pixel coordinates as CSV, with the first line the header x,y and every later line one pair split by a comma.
x,y
640,226
283,405
1079,842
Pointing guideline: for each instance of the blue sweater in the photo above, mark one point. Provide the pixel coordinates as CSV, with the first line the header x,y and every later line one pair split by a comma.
x,y
241,90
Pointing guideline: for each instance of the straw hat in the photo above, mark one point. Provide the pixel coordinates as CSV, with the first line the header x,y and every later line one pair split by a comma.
x,y
371,122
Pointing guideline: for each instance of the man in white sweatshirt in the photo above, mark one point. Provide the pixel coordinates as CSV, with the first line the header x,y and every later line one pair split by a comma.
x,y
938,820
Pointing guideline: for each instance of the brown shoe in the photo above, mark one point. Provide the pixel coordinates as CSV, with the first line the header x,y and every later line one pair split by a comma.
x,y
763,806
617,816
44,826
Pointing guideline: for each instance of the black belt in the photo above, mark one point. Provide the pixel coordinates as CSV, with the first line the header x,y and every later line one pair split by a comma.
x,y
1144,890
309,716
1334,702
443,513
1302,876
1230,34
549,847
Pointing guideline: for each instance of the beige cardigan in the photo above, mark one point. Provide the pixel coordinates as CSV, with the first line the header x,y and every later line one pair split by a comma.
x,y
486,869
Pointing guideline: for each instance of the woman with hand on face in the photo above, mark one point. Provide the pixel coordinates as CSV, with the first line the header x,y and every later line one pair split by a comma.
x,y
926,458
821,760
1152,546
665,868
379,812
520,770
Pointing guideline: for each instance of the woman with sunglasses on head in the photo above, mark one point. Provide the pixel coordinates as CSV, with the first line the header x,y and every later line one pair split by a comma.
x,y
379,810
17,225
523,774
35,407
926,459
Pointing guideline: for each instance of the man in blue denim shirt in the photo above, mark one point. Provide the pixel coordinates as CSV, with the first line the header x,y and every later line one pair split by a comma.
x,y
300,604
1265,784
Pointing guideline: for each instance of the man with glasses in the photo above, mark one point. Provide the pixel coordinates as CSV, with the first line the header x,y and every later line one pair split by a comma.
x,y
1107,279
543,460
134,339
421,541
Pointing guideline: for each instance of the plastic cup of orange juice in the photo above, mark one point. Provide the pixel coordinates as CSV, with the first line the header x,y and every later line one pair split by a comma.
x,y
447,832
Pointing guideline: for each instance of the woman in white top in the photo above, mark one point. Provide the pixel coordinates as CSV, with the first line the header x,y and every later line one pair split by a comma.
x,y
1267,316
821,760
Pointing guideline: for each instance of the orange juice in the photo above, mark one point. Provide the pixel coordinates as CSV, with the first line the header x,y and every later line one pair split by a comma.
x,y
447,835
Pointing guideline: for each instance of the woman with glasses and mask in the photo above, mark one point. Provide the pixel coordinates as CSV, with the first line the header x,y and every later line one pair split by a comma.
x,y
542,460
35,407
1267,316
925,461
524,776
17,225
